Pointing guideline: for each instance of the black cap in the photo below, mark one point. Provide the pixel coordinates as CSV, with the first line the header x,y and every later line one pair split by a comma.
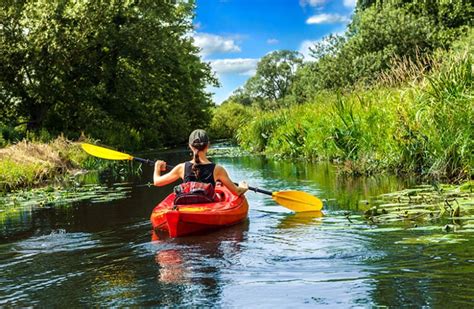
x,y
198,139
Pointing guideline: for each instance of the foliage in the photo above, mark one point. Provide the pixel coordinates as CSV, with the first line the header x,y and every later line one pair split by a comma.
x,y
382,35
272,81
424,128
425,205
240,96
256,134
124,72
51,196
34,163
393,92
14,175
227,119
374,38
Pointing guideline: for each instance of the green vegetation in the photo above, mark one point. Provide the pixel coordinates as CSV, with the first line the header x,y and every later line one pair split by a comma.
x,y
394,93
430,207
227,120
32,164
124,72
14,204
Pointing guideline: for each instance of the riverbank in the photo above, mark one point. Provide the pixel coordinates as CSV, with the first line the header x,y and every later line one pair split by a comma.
x,y
31,164
421,127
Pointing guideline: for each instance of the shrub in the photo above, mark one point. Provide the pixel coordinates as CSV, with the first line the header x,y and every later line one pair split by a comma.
x,y
227,119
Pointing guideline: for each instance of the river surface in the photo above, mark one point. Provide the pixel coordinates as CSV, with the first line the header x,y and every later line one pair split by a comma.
x,y
102,254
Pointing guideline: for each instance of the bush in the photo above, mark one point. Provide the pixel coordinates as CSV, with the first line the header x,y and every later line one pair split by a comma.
x,y
227,119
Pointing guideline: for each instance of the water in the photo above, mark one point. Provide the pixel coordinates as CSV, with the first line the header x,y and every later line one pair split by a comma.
x,y
102,254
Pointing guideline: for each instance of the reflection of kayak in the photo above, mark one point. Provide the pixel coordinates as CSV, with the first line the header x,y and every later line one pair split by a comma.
x,y
191,219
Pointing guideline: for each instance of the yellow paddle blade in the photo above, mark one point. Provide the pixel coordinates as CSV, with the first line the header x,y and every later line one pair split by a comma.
x,y
105,153
298,201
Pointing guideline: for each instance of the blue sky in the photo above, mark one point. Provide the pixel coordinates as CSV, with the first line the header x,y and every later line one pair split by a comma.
x,y
234,34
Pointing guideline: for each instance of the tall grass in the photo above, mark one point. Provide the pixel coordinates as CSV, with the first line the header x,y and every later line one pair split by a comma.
x,y
32,163
423,127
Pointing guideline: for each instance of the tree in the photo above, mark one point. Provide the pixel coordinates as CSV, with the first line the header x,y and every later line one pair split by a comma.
x,y
227,119
274,75
240,96
125,72
381,33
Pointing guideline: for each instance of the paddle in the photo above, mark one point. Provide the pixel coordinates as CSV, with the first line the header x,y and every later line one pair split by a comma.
x,y
295,200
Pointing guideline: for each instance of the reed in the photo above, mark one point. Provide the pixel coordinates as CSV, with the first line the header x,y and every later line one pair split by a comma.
x,y
423,127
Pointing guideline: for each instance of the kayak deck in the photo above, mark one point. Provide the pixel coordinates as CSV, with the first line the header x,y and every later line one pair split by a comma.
x,y
183,220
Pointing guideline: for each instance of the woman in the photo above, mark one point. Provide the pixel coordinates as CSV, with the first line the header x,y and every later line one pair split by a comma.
x,y
199,169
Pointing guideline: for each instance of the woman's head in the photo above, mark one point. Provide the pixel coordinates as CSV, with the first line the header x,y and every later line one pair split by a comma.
x,y
198,139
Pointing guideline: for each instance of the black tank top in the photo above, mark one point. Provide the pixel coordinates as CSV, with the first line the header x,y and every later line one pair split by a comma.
x,y
206,173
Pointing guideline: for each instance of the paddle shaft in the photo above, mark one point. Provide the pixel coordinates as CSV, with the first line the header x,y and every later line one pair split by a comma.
x,y
293,200
146,161
151,162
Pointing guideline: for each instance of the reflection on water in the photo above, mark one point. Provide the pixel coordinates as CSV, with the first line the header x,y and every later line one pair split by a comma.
x,y
300,219
103,254
171,264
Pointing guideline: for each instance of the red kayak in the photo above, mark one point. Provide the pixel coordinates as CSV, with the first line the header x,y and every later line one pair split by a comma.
x,y
183,220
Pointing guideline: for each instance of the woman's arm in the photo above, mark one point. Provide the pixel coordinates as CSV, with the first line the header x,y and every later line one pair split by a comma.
x,y
220,174
162,180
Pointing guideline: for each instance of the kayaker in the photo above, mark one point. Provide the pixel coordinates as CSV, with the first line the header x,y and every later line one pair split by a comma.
x,y
199,169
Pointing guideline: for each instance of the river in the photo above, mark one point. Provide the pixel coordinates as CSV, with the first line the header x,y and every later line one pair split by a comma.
x,y
102,254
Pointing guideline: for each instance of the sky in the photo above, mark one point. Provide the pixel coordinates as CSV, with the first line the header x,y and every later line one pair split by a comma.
x,y
234,34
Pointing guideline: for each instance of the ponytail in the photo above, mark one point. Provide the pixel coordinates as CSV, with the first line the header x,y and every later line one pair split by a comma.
x,y
197,161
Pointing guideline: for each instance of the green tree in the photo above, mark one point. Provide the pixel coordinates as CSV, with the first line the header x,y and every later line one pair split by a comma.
x,y
240,96
273,78
227,119
275,72
125,72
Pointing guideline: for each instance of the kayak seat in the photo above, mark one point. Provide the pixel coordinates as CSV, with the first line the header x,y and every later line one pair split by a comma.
x,y
188,199
194,193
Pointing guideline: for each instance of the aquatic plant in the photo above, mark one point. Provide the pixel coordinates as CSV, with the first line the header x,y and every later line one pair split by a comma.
x,y
14,203
449,208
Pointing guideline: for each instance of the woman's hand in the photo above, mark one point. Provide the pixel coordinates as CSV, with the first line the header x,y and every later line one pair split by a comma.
x,y
243,186
160,165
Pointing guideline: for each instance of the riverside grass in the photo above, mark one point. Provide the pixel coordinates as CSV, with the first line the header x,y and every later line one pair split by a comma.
x,y
28,164
424,127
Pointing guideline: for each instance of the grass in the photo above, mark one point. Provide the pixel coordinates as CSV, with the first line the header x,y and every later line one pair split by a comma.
x,y
29,164
416,123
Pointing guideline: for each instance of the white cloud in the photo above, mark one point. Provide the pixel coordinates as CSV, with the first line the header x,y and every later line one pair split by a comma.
x,y
242,66
327,19
272,41
211,43
350,3
313,3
